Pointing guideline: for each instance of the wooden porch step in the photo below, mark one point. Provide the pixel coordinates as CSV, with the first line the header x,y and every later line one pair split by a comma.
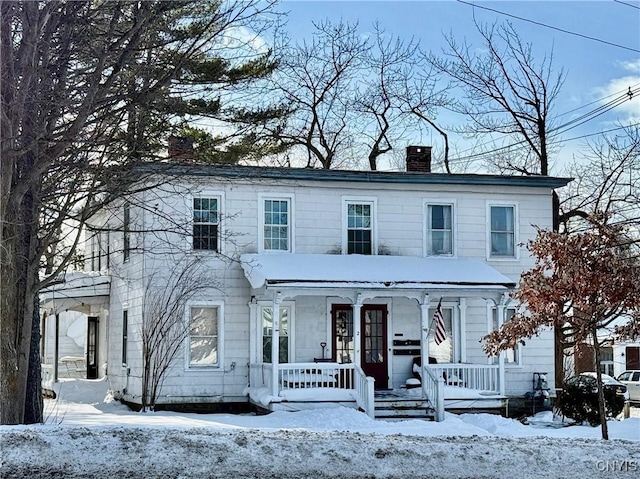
x,y
398,407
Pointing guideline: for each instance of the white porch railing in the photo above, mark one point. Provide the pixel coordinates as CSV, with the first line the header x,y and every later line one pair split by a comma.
x,y
317,375
303,375
434,388
481,377
365,396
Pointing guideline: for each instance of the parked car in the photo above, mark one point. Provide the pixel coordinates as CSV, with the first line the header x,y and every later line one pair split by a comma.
x,y
631,379
588,381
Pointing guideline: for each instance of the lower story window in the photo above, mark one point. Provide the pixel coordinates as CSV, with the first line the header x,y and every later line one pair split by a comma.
x,y
203,336
512,355
267,335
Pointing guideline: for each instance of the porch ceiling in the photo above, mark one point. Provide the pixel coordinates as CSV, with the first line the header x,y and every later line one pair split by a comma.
x,y
370,272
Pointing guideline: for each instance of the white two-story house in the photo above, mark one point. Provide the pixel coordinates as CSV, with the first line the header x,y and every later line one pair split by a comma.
x,y
324,285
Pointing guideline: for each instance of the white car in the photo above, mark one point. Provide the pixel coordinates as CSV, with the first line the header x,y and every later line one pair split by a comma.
x,y
631,379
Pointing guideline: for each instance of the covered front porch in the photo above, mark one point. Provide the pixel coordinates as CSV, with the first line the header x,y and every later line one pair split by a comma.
x,y
357,330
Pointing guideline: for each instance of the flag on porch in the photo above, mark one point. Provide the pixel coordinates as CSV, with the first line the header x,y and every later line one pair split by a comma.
x,y
440,333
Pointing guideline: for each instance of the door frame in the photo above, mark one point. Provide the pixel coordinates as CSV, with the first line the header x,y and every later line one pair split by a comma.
x,y
93,335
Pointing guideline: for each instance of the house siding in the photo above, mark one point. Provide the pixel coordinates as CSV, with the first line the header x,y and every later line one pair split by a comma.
x,y
318,218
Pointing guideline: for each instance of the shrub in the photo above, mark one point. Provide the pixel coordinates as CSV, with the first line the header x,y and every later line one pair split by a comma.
x,y
581,404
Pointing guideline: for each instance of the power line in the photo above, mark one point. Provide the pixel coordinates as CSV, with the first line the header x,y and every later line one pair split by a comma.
x,y
622,96
627,4
549,26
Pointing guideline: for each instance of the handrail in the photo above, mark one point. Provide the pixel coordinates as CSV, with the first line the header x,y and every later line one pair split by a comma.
x,y
365,397
433,386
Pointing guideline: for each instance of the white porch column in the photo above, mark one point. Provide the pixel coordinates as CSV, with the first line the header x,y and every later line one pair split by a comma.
x,y
357,340
424,343
254,330
501,373
275,343
462,307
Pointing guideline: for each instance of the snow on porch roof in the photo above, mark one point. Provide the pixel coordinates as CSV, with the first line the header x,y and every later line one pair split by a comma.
x,y
369,271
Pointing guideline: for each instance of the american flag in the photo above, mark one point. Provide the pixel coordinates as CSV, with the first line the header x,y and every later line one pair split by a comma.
x,y
440,333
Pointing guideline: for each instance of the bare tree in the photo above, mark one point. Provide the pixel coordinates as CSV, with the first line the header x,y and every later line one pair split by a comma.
x,y
506,92
387,62
316,80
165,326
81,83
606,183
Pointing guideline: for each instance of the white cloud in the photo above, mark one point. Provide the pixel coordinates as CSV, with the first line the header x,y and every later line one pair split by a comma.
x,y
632,65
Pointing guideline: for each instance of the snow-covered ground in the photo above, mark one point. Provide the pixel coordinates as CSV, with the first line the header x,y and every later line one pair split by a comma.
x,y
89,436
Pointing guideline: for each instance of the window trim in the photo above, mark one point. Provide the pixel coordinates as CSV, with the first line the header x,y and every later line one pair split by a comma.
x,y
125,337
454,226
290,306
493,309
456,333
262,197
126,232
220,342
516,230
221,202
360,200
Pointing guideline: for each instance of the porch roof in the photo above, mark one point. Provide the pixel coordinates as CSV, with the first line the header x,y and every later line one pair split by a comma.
x,y
370,272
75,289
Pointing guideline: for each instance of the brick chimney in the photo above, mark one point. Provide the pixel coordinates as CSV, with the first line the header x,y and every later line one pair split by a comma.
x,y
180,148
419,159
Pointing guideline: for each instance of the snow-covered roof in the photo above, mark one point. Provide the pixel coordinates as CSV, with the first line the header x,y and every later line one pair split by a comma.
x,y
78,284
370,271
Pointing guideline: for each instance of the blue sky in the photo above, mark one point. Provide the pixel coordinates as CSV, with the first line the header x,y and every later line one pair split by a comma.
x,y
594,69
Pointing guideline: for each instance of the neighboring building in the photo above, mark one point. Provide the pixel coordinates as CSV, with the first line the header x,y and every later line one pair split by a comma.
x,y
324,278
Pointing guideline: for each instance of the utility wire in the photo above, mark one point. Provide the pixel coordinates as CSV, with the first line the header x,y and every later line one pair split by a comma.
x,y
623,96
549,26
627,4
479,155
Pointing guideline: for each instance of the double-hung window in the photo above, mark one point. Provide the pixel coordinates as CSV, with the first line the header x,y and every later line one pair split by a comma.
x,y
126,233
502,231
359,231
439,229
283,334
512,355
277,224
125,335
203,336
206,221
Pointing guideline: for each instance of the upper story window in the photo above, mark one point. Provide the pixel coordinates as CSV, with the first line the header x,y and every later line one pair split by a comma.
x,y
276,224
126,232
206,220
439,229
360,227
203,336
503,231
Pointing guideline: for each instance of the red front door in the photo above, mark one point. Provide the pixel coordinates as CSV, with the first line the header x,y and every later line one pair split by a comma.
x,y
374,344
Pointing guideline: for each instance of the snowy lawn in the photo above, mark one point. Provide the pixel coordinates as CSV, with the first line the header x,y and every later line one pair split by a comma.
x,y
88,436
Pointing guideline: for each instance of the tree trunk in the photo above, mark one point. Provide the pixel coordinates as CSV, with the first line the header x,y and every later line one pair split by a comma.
x,y
18,282
33,411
601,407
